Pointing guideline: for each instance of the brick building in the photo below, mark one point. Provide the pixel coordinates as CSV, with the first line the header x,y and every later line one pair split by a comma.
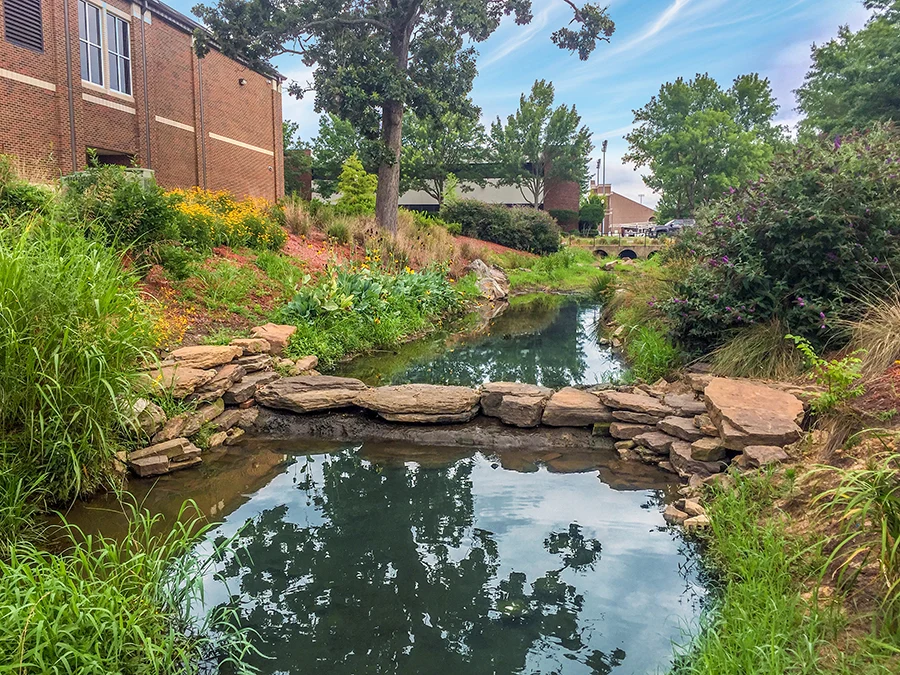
x,y
620,210
121,79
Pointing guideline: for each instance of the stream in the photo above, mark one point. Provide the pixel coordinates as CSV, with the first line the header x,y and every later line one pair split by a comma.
x,y
353,558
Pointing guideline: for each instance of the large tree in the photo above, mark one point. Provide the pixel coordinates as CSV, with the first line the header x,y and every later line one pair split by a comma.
x,y
375,58
855,78
336,142
540,143
434,148
698,139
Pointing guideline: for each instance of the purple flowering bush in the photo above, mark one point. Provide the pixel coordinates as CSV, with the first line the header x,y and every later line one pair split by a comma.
x,y
799,245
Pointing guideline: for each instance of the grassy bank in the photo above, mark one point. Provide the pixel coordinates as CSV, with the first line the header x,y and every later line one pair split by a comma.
x,y
570,270
788,593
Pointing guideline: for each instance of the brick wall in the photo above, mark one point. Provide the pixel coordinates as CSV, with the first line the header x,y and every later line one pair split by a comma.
x,y
563,196
169,130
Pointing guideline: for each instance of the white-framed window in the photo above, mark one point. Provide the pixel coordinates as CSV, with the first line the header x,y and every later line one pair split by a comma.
x,y
119,47
90,34
105,42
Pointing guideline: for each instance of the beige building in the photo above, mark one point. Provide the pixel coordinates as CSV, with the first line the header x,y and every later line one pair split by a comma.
x,y
620,210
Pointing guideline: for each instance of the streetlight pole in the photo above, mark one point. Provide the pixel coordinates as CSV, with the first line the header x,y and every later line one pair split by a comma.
x,y
605,226
598,173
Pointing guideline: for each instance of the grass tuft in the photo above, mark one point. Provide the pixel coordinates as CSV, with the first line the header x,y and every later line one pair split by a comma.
x,y
759,351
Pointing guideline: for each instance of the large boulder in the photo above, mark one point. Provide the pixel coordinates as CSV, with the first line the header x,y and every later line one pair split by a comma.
x,y
277,335
646,405
570,407
309,393
520,405
490,281
421,403
749,413
175,379
206,356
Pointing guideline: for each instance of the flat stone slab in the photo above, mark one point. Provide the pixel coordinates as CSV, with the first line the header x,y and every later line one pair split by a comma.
x,y
570,407
749,413
225,378
756,456
179,379
189,424
420,399
171,450
252,345
708,449
681,458
419,418
685,405
207,356
247,387
656,441
635,418
620,400
309,393
277,335
514,403
628,430
680,427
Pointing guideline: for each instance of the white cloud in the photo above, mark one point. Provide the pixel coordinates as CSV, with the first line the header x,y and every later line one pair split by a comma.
x,y
301,110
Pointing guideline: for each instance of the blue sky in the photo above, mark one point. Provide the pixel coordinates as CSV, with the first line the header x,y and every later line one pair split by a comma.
x,y
655,41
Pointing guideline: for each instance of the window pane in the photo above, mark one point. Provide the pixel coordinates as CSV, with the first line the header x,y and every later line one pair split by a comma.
x,y
126,76
94,24
111,33
84,61
124,42
82,21
113,73
96,65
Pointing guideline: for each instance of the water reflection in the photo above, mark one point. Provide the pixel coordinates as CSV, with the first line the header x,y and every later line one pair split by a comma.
x,y
546,341
345,565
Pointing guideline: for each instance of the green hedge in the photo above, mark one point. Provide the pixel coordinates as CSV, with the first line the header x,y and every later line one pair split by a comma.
x,y
520,228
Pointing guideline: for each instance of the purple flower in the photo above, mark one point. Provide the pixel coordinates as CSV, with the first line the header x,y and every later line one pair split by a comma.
x,y
716,296
800,302
731,190
837,142
725,259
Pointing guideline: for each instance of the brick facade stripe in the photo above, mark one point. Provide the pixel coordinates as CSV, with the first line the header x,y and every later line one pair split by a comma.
x,y
241,144
173,123
26,79
109,104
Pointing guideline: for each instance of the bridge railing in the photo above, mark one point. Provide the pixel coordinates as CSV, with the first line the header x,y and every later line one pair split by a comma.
x,y
593,242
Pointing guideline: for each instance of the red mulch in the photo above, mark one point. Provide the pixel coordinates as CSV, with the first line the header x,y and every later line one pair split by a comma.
x,y
882,394
316,250
495,248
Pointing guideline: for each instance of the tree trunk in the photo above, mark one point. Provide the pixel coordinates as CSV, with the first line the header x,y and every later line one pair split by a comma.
x,y
387,197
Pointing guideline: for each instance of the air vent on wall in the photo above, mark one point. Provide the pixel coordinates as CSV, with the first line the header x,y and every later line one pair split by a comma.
x,y
22,23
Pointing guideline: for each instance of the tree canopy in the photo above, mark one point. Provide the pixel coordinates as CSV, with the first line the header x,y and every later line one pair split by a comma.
x,y
698,139
540,143
336,142
855,78
374,59
434,148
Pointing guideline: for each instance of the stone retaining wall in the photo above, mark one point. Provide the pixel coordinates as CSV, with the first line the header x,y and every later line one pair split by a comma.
x,y
694,427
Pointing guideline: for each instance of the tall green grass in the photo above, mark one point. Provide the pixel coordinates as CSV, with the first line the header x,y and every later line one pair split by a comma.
x,y
113,606
759,351
72,330
570,269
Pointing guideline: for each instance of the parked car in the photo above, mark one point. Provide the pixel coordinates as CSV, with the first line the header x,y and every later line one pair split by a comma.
x,y
672,227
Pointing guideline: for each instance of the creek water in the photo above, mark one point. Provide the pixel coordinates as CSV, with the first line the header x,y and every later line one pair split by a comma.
x,y
349,559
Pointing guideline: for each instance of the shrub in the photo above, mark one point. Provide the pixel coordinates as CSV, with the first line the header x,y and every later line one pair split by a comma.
x,y
296,215
339,231
177,261
118,206
357,189
799,245
520,228
650,353
839,377
17,196
72,331
208,219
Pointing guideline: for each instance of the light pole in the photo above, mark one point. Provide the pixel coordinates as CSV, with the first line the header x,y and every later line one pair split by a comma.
x,y
598,173
606,213
642,198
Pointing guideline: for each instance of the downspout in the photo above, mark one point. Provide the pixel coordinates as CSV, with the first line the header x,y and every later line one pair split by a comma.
x,y
69,85
144,10
202,132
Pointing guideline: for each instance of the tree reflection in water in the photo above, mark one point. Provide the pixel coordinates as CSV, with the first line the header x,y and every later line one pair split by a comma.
x,y
390,575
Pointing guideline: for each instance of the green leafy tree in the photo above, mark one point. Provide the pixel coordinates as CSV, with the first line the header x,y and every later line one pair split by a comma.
x,y
376,59
357,189
698,139
297,162
592,213
855,78
336,142
540,143
436,148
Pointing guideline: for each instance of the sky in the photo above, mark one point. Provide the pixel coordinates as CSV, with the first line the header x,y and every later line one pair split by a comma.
x,y
656,41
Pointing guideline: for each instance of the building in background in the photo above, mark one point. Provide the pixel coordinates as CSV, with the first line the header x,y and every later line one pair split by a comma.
x,y
622,211
121,80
